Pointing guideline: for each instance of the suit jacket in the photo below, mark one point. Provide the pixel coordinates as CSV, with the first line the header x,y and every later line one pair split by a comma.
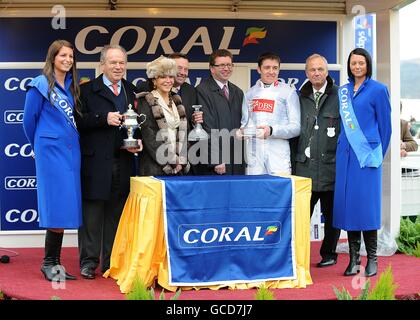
x,y
410,143
188,95
100,143
320,167
221,113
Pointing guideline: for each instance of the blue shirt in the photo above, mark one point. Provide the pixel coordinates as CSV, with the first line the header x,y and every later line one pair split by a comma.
x,y
108,83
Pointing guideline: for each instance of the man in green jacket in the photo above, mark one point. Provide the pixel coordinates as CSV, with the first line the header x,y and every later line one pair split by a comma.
x,y
315,155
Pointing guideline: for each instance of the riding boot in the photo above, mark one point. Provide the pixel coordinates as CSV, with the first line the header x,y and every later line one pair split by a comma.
x,y
371,242
58,257
49,265
354,240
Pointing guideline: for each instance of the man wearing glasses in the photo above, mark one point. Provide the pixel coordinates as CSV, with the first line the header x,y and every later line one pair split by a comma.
x,y
221,103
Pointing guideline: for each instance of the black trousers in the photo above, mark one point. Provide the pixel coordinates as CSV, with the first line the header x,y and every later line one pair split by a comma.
x,y
100,223
331,234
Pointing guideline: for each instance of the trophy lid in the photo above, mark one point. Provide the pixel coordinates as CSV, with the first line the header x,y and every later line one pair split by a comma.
x,y
130,113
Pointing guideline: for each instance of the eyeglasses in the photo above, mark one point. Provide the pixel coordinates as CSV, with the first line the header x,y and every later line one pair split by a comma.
x,y
222,66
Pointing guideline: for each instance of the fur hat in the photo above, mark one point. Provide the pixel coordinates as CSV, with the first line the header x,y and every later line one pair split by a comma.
x,y
161,67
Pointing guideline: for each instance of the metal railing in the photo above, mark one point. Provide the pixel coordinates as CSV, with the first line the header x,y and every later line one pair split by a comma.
x,y
410,184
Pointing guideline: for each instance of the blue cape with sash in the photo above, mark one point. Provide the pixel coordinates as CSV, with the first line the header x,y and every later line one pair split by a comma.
x,y
367,156
58,99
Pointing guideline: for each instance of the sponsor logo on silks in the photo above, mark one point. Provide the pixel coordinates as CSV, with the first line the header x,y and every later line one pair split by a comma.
x,y
263,105
229,234
351,126
84,80
270,230
252,34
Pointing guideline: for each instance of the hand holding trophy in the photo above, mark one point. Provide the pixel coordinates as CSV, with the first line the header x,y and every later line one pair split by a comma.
x,y
198,133
250,129
131,124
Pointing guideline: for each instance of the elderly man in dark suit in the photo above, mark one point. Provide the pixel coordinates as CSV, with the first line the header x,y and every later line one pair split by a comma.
x,y
222,109
106,166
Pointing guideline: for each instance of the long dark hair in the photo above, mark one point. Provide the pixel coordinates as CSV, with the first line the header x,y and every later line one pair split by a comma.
x,y
48,71
364,53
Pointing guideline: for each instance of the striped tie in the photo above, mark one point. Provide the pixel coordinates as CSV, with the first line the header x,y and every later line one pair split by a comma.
x,y
317,97
226,92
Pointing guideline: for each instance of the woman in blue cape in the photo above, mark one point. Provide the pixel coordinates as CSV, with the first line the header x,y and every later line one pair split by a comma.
x,y
49,125
366,118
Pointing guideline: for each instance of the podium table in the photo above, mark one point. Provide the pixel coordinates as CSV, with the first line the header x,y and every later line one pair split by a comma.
x,y
140,244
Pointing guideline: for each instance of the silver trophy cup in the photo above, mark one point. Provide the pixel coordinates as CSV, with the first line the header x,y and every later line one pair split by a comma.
x,y
131,124
198,133
250,129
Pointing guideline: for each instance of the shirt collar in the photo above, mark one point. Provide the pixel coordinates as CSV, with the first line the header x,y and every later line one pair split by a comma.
x,y
108,82
220,84
322,90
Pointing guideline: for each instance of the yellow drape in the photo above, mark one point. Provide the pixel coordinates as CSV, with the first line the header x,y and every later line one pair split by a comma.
x,y
140,249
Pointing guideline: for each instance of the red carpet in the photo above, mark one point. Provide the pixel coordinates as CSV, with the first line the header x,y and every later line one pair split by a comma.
x,y
21,279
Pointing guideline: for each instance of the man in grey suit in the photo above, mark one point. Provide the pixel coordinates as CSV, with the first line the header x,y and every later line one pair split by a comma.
x,y
221,103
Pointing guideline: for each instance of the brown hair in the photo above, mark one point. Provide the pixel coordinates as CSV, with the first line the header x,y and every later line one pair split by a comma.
x,y
268,56
48,70
219,53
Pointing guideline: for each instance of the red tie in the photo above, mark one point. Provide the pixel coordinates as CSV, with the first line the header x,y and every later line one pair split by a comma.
x,y
115,88
226,92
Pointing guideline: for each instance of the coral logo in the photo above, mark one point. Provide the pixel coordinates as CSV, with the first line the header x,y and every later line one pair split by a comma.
x,y
13,150
13,116
362,23
84,80
25,216
270,230
252,34
20,183
229,234
13,84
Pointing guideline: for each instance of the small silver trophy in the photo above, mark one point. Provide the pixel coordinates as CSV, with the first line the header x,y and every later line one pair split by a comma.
x,y
250,129
198,133
130,123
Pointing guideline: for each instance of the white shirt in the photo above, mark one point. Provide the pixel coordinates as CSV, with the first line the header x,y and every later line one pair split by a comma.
x,y
322,90
221,84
